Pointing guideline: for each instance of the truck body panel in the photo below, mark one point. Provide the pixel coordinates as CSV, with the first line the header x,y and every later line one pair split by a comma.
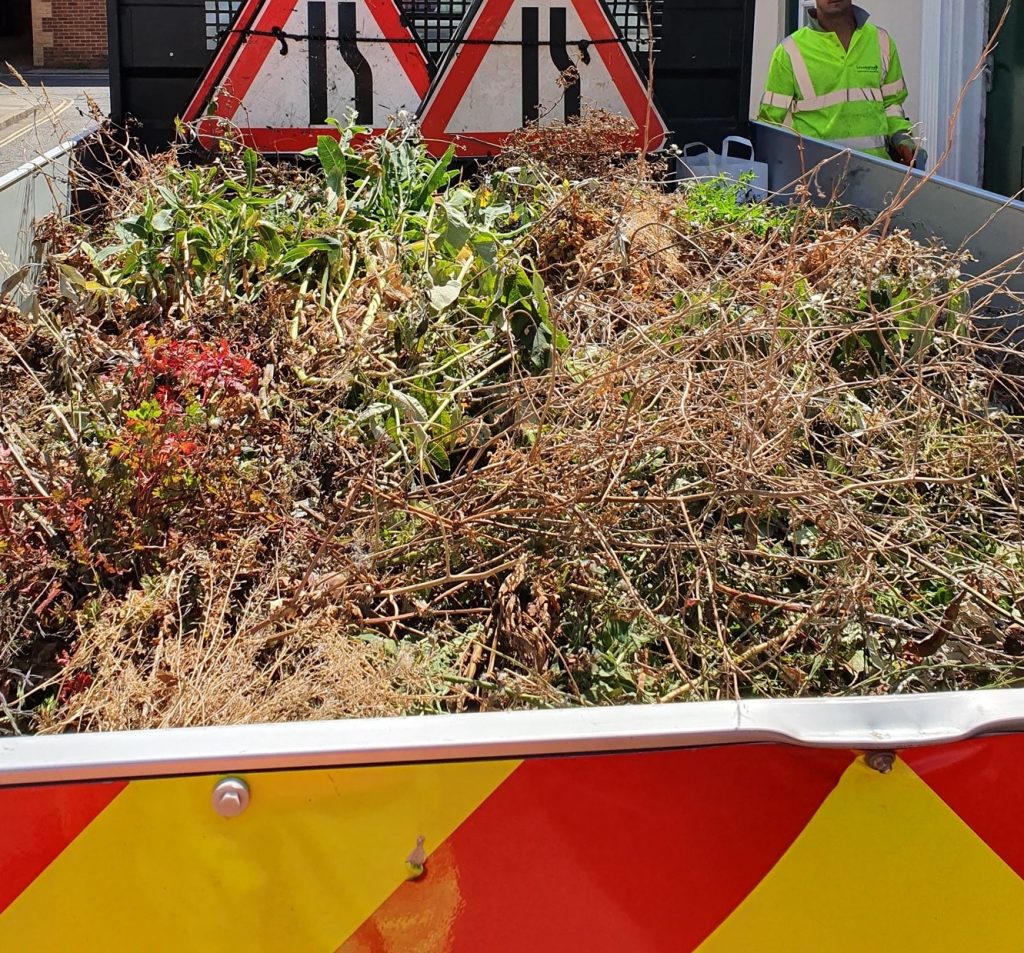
x,y
711,826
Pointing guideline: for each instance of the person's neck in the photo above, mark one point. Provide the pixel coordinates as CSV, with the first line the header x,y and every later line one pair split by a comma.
x,y
842,23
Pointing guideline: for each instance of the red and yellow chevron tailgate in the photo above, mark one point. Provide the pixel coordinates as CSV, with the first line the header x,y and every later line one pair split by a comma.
x,y
734,848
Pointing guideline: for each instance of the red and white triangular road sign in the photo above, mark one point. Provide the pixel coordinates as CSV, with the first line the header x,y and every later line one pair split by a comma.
x,y
515,62
289,65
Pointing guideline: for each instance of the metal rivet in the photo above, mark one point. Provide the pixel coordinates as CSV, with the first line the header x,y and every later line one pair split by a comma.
x,y
230,797
881,761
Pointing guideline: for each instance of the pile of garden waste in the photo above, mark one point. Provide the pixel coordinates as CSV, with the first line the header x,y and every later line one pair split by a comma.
x,y
372,435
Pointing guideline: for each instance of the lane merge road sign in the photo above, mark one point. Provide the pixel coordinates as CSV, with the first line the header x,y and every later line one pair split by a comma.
x,y
288,66
517,62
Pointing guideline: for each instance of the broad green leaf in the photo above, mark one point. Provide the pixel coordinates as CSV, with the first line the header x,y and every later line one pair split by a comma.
x,y
439,175
325,243
438,455
170,198
458,231
252,160
132,228
540,298
540,353
444,296
332,161
163,221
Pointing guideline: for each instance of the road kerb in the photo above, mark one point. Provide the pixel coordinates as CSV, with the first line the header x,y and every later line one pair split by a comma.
x,y
13,115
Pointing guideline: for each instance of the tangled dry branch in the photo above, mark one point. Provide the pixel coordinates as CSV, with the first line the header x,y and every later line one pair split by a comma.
x,y
282,443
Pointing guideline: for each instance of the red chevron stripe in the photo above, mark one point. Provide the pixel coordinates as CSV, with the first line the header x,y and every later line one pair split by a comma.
x,y
641,852
37,823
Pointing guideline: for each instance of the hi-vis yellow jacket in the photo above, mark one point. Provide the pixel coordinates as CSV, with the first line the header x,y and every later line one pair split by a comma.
x,y
851,97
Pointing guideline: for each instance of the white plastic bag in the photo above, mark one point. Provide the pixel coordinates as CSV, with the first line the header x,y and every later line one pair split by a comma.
x,y
707,164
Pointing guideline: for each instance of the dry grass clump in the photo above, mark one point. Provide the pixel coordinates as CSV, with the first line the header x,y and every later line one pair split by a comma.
x,y
281,444
177,652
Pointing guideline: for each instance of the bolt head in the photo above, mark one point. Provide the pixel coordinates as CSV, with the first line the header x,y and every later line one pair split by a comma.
x,y
881,761
230,797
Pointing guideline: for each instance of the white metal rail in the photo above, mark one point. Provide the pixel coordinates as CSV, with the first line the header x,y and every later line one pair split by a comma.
x,y
29,193
863,724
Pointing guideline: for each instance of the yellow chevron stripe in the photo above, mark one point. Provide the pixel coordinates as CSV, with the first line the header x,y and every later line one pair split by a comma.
x,y
315,854
883,865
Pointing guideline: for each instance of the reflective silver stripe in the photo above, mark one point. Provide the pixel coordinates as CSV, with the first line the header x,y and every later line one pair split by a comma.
x,y
862,143
866,95
894,89
885,46
800,71
778,100
896,112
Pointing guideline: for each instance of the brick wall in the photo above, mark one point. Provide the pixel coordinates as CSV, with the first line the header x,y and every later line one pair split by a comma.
x,y
69,34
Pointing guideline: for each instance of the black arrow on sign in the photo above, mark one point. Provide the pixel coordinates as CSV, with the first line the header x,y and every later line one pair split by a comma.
x,y
356,62
559,50
563,62
531,65
316,14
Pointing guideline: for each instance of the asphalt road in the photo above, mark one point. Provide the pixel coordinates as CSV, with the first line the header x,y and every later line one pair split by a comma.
x,y
56,105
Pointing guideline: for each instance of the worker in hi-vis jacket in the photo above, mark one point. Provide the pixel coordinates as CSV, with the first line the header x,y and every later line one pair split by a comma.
x,y
840,79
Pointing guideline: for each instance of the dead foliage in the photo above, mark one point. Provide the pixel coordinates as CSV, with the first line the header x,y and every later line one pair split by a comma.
x,y
281,444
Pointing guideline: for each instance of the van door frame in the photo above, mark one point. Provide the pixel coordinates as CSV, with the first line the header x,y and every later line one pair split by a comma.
x,y
953,37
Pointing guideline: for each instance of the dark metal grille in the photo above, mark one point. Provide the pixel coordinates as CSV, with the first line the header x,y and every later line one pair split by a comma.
x,y
633,18
435,23
220,14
